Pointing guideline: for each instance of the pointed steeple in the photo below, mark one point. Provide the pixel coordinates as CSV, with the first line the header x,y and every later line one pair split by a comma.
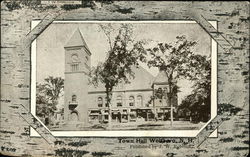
x,y
161,78
77,40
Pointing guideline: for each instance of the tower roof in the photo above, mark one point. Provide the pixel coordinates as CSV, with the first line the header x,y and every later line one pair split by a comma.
x,y
161,78
77,40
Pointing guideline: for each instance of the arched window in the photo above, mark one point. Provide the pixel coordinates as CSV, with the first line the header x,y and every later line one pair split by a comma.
x,y
139,100
106,105
73,98
74,116
165,91
131,101
99,101
119,101
159,93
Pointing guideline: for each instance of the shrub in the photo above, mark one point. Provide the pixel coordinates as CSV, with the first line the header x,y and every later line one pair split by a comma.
x,y
71,6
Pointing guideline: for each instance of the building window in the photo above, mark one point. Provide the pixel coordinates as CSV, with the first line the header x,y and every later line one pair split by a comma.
x,y
159,93
131,101
139,100
165,92
119,101
99,102
106,102
73,98
74,67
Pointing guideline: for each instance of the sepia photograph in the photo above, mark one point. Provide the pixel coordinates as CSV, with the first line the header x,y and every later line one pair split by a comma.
x,y
123,76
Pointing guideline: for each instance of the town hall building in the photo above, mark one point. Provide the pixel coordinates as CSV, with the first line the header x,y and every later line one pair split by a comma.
x,y
140,100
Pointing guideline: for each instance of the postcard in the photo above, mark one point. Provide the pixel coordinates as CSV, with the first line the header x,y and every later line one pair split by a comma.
x,y
124,78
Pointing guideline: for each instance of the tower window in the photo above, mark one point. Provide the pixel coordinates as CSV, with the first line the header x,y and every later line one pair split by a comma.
x,y
74,67
75,62
73,98
99,101
119,101
131,101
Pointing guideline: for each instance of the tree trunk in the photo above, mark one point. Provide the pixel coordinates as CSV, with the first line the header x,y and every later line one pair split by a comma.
x,y
109,95
170,102
171,114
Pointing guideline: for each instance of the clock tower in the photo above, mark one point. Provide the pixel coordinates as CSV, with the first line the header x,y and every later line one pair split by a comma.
x,y
77,67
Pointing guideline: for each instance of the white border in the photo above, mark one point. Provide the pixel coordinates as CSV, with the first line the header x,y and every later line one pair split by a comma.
x,y
137,133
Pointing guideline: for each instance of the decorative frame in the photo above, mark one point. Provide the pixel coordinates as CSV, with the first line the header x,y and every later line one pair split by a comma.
x,y
229,45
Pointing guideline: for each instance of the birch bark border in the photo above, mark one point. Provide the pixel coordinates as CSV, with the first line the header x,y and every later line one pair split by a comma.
x,y
49,18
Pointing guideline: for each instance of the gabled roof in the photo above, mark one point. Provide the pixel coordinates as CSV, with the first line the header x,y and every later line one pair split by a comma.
x,y
77,40
142,80
161,78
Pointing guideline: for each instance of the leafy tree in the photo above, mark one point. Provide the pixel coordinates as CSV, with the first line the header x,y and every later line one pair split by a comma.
x,y
41,100
53,88
47,96
173,59
199,101
123,54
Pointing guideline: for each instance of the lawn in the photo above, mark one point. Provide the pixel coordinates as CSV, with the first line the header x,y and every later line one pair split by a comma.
x,y
148,125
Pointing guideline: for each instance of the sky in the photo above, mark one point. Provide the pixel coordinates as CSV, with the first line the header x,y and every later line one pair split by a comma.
x,y
50,44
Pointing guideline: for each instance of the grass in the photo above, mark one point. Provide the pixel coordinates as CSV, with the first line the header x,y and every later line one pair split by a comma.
x,y
147,125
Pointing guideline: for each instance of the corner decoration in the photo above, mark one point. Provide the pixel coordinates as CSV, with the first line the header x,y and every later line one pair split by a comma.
x,y
160,90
